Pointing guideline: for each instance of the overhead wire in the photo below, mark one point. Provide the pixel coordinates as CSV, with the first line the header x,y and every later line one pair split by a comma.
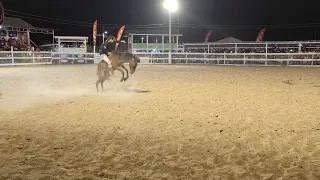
x,y
56,20
155,26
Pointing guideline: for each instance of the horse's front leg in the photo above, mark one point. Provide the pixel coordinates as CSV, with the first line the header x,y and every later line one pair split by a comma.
x,y
122,72
122,66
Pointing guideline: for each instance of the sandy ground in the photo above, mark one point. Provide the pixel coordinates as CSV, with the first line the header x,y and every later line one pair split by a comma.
x,y
165,122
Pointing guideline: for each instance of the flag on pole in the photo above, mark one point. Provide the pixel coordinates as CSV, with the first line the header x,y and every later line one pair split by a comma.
x,y
120,32
2,12
260,35
208,36
95,24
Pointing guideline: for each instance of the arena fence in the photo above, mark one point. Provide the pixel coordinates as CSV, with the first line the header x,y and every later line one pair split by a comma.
x,y
10,58
243,59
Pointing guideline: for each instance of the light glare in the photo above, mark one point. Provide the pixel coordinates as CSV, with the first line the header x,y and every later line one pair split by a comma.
x,y
170,5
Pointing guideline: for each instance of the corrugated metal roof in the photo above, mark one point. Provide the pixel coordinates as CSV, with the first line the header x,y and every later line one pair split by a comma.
x,y
16,22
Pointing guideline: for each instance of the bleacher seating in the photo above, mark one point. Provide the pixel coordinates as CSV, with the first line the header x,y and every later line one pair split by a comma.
x,y
252,47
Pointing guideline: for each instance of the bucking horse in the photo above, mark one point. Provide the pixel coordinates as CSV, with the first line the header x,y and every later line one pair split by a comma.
x,y
117,60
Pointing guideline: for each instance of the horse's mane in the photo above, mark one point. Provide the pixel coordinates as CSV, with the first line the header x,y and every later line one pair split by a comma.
x,y
125,56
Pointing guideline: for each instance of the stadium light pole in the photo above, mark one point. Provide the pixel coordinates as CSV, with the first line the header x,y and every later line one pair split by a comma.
x,y
171,6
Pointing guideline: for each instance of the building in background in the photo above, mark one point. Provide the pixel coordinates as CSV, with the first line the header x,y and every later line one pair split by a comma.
x,y
152,41
18,31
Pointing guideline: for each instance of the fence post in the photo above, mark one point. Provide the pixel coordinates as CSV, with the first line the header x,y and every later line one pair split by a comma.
x,y
151,59
224,58
94,54
51,54
12,58
33,57
244,58
266,63
205,59
187,58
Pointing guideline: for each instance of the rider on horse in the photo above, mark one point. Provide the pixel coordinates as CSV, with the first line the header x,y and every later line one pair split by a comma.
x,y
106,48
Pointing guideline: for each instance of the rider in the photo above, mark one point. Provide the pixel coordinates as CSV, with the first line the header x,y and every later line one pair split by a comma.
x,y
106,48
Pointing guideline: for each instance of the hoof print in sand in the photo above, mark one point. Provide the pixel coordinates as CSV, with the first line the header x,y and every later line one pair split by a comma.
x,y
288,82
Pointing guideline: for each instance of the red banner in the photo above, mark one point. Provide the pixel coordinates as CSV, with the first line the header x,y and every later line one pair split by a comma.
x,y
208,36
1,13
119,36
95,24
260,35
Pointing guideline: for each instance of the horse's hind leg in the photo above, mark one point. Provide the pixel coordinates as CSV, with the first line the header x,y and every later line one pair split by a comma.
x,y
97,84
102,84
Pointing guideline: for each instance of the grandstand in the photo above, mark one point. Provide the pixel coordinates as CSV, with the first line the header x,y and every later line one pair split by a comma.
x,y
232,51
233,45
16,32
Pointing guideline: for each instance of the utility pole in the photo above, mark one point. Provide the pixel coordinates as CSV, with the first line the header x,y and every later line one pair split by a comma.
x,y
178,22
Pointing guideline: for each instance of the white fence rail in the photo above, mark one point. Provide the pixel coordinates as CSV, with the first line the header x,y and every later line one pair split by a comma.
x,y
10,58
254,59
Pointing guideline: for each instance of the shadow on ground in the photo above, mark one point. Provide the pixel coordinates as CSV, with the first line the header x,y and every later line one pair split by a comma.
x,y
128,90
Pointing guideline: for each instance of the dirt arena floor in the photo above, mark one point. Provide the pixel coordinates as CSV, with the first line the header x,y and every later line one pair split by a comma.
x,y
165,122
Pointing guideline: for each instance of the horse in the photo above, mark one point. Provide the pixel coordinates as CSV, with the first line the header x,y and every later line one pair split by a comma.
x,y
117,60
102,73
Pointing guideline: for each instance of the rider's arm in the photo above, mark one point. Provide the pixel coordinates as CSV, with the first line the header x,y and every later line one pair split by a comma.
x,y
114,42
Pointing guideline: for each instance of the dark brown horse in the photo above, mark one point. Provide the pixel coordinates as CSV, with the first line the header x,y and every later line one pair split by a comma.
x,y
117,60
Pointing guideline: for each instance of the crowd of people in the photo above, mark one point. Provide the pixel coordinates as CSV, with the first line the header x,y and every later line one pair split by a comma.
x,y
255,48
285,54
6,44
72,45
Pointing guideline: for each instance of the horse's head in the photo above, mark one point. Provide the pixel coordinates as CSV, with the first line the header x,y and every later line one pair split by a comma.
x,y
133,63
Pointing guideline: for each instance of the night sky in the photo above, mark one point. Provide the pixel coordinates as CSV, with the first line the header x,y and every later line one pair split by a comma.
x,y
242,19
